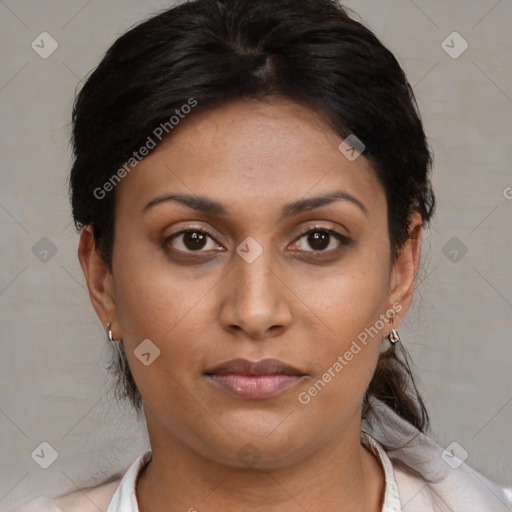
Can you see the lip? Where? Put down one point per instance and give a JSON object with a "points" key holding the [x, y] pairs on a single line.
{"points": [[267, 366], [254, 380], [255, 387]]}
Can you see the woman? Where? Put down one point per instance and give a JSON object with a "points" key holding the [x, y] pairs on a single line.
{"points": [[251, 180]]}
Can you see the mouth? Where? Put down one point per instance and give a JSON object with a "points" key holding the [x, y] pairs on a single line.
{"points": [[254, 380]]}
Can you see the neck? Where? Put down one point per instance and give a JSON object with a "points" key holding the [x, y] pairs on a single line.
{"points": [[341, 475]]}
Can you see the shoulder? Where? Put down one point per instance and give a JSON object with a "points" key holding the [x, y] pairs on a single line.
{"points": [[462, 491], [413, 491], [91, 499], [440, 486], [430, 478], [115, 494]]}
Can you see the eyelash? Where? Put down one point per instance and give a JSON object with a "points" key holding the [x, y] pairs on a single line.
{"points": [[345, 241]]}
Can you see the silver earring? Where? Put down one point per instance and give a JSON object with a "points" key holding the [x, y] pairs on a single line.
{"points": [[110, 336], [393, 336], [116, 343]]}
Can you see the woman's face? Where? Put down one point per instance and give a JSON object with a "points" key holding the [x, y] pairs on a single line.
{"points": [[247, 283]]}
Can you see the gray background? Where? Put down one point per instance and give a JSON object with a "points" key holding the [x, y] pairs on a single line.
{"points": [[53, 386]]}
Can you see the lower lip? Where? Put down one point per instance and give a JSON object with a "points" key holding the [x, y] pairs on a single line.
{"points": [[255, 387]]}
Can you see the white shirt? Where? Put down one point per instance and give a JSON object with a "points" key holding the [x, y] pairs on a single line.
{"points": [[458, 487]]}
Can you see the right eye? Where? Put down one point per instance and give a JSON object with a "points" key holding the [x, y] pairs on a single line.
{"points": [[190, 240]]}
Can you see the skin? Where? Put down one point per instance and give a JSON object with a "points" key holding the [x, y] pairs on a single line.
{"points": [[201, 310]]}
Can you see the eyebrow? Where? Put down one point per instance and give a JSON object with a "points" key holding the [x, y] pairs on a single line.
{"points": [[207, 205]]}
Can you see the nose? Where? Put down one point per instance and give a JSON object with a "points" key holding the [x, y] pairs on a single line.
{"points": [[255, 298]]}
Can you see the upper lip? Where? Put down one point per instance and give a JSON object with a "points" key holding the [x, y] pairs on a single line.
{"points": [[246, 367]]}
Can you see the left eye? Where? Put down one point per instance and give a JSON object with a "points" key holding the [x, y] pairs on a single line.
{"points": [[322, 239]]}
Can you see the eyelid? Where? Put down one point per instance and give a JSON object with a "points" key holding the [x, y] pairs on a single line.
{"points": [[332, 228]]}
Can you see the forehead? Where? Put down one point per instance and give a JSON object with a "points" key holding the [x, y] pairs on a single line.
{"points": [[263, 153]]}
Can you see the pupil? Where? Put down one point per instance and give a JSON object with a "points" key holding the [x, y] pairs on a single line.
{"points": [[318, 240], [197, 240]]}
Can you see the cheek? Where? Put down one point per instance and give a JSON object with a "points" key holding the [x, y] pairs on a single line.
{"points": [[350, 308], [151, 294], [168, 307], [352, 298]]}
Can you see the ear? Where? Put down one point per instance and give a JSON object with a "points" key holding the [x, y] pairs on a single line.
{"points": [[405, 269], [98, 278]]}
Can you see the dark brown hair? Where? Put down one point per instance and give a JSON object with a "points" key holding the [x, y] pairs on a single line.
{"points": [[215, 51]]}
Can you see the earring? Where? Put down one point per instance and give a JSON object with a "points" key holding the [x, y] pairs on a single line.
{"points": [[110, 336], [393, 337], [116, 343]]}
